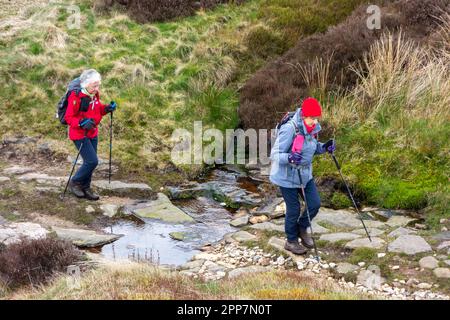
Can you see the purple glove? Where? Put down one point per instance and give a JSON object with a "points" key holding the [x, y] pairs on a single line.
{"points": [[330, 146], [294, 158]]}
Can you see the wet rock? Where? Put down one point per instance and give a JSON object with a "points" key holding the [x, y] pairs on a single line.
{"points": [[109, 210], [239, 222], [4, 179], [163, 209], [258, 219], [442, 273], [274, 209], [243, 236], [193, 190], [180, 236], [409, 244], [246, 270], [374, 232], [85, 238], [345, 267], [17, 170], [13, 232], [401, 232], [383, 215], [268, 226], [400, 221], [428, 262], [335, 237], [377, 243]]}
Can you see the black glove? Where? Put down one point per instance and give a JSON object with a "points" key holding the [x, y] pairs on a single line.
{"points": [[87, 123], [111, 107], [330, 146]]}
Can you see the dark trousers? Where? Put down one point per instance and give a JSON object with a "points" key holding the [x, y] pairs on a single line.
{"points": [[291, 197], [90, 161]]}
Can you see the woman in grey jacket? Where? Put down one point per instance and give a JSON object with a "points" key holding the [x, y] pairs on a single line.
{"points": [[292, 156]]}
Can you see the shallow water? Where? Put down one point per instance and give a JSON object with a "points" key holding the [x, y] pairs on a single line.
{"points": [[150, 241]]}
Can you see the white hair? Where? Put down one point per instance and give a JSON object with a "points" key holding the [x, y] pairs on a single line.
{"points": [[89, 76]]}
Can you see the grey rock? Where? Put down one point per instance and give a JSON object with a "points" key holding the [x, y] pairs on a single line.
{"points": [[240, 222], [345, 267], [383, 215], [443, 236], [42, 178], [374, 232], [318, 228], [246, 270], [163, 209], [442, 273], [4, 179], [243, 236], [401, 232], [109, 210], [193, 264], [377, 243], [90, 209], [447, 262], [428, 262], [409, 244], [370, 278], [274, 209], [340, 218], [335, 237], [400, 221], [85, 238], [16, 170], [268, 226], [120, 186], [13, 232]]}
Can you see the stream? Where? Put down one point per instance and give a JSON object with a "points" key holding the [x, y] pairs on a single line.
{"points": [[149, 240]]}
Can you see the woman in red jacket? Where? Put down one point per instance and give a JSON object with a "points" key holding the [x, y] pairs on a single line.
{"points": [[83, 115]]}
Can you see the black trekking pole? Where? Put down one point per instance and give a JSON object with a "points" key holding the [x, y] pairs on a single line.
{"points": [[73, 167], [351, 196], [110, 145], [307, 213]]}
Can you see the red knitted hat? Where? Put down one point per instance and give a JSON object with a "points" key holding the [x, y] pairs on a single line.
{"points": [[311, 108]]}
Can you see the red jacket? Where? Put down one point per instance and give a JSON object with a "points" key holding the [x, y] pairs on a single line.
{"points": [[95, 111]]}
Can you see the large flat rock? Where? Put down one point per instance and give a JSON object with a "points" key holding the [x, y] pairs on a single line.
{"points": [[399, 221], [409, 244], [85, 238], [120, 186], [17, 170], [163, 209], [335, 237], [13, 232], [338, 218], [268, 226], [376, 243]]}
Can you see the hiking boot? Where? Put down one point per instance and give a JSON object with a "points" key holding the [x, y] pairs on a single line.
{"points": [[295, 247], [306, 238], [76, 189], [91, 195]]}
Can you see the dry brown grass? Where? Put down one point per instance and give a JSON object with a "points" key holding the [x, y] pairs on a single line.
{"points": [[140, 281]]}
